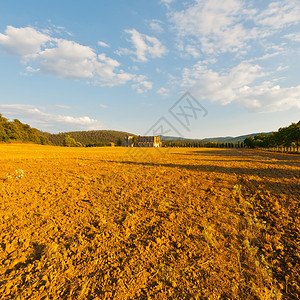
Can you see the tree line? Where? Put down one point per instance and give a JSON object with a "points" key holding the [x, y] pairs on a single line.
{"points": [[199, 144], [285, 139], [19, 132], [91, 138]]}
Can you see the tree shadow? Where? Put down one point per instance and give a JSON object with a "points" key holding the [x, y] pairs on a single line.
{"points": [[241, 155], [270, 172]]}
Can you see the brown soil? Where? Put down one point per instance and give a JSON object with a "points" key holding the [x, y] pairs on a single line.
{"points": [[118, 223]]}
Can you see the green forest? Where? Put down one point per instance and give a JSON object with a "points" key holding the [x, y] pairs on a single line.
{"points": [[19, 132], [286, 138], [91, 138]]}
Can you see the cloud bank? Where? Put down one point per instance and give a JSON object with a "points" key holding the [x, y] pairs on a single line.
{"points": [[66, 59], [216, 27], [244, 85]]}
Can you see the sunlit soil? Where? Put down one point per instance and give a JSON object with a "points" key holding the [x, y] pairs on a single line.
{"points": [[119, 223]]}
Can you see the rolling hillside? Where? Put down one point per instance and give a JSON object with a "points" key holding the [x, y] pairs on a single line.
{"points": [[88, 138], [227, 139]]}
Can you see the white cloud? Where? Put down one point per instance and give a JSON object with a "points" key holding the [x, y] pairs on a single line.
{"points": [[166, 2], [145, 46], [213, 23], [163, 92], [268, 97], [67, 59], [241, 85], [230, 25], [279, 14], [23, 41], [31, 70], [192, 50], [58, 29], [220, 87], [156, 25], [70, 60], [295, 37], [103, 106], [105, 71], [142, 85], [36, 115], [102, 44], [267, 56]]}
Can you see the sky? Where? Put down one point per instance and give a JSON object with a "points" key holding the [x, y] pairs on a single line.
{"points": [[196, 68]]}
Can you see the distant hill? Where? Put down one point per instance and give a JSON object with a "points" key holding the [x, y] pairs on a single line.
{"points": [[88, 138], [17, 131], [104, 137], [227, 139], [230, 139]]}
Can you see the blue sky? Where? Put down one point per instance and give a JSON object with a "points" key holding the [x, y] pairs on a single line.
{"points": [[122, 65]]}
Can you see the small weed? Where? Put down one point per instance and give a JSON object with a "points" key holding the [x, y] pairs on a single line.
{"points": [[237, 189], [18, 174]]}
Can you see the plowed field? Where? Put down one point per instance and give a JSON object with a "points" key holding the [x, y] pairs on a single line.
{"points": [[119, 223]]}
